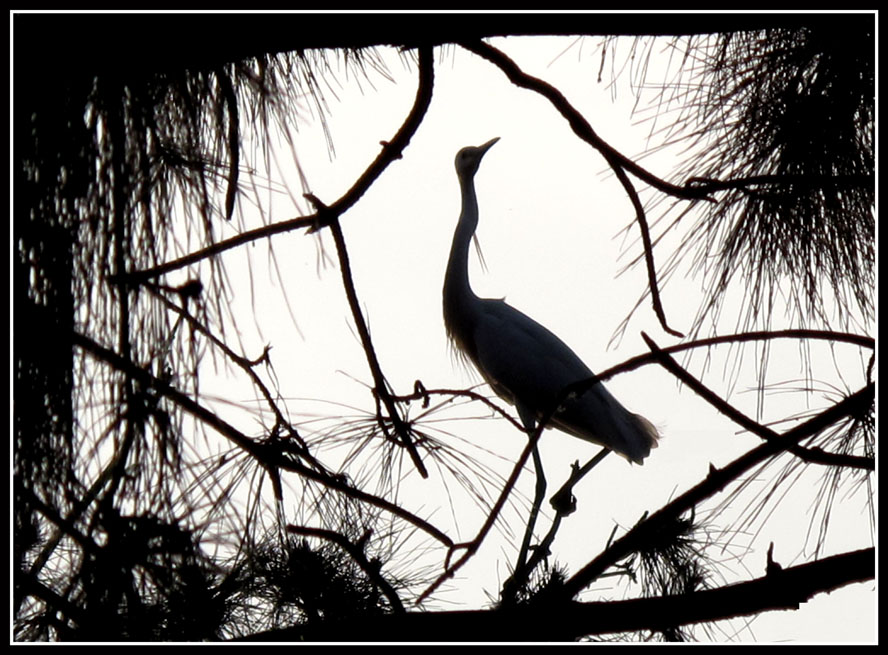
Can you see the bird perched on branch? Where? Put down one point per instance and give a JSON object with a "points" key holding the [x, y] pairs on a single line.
{"points": [[524, 363]]}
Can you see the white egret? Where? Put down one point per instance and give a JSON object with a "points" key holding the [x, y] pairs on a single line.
{"points": [[524, 363]]}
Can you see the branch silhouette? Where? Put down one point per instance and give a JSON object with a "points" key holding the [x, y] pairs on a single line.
{"points": [[779, 589], [269, 455], [808, 454], [381, 386], [617, 161], [247, 365], [391, 151]]}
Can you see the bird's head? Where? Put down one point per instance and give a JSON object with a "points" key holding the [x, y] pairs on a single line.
{"points": [[468, 159]]}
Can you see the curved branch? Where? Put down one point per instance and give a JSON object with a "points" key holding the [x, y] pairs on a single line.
{"points": [[641, 218], [649, 358], [391, 150], [577, 122], [809, 455], [617, 161]]}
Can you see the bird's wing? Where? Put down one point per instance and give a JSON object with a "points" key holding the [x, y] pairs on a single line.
{"points": [[529, 366], [521, 359]]}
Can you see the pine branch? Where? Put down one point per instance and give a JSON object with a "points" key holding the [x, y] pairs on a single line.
{"points": [[391, 150], [267, 455], [779, 589]]}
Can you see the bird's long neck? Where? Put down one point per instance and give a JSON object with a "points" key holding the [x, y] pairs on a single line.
{"points": [[456, 282], [459, 299]]}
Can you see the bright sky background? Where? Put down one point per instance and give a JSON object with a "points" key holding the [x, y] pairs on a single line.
{"points": [[551, 217]]}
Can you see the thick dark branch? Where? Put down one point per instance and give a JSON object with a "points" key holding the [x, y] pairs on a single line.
{"points": [[780, 589], [63, 609], [66, 526], [102, 44]]}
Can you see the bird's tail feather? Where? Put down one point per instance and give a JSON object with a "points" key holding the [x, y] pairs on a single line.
{"points": [[629, 435], [648, 430], [635, 437]]}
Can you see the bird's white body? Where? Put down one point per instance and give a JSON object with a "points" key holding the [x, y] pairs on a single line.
{"points": [[524, 363]]}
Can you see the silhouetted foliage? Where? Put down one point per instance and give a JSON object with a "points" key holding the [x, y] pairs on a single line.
{"points": [[131, 524]]}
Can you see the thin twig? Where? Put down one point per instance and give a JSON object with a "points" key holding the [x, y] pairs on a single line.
{"points": [[564, 504], [247, 366], [380, 385], [230, 98], [648, 248], [423, 394], [562, 501]]}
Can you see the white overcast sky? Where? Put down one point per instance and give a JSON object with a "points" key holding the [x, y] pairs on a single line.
{"points": [[550, 227]]}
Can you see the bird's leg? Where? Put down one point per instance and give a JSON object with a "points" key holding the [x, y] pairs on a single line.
{"points": [[534, 511], [564, 503]]}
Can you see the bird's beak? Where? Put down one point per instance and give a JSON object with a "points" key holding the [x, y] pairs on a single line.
{"points": [[485, 147]]}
